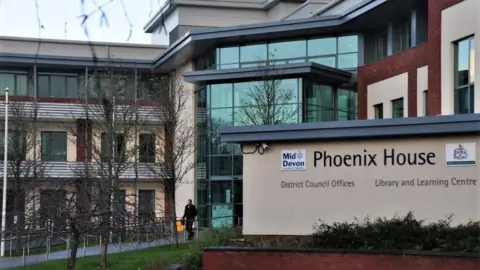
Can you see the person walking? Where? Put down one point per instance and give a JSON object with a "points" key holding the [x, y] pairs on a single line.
{"points": [[189, 216]]}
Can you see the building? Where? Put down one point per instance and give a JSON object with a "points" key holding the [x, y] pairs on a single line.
{"points": [[336, 60], [315, 172]]}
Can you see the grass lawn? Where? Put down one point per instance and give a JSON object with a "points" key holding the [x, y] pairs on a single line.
{"points": [[132, 260]]}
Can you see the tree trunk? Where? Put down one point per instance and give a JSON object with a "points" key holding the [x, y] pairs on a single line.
{"points": [[72, 259], [18, 205], [173, 217], [105, 230], [104, 251]]}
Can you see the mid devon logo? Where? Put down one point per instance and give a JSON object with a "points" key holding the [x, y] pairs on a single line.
{"points": [[294, 160], [460, 154]]}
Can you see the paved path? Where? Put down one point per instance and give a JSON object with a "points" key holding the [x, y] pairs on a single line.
{"points": [[12, 262]]}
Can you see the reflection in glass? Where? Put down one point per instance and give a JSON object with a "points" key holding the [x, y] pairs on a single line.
{"points": [[253, 53], [463, 62], [229, 57], [221, 165], [465, 100], [397, 108], [220, 117], [347, 44], [221, 95], [472, 60], [319, 103], [322, 46], [288, 49], [218, 147], [242, 92], [346, 105], [348, 60], [237, 165], [326, 61]]}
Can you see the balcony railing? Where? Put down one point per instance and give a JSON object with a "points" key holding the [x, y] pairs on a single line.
{"points": [[69, 170]]}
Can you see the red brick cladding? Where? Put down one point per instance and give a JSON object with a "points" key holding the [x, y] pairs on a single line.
{"points": [[252, 260], [406, 61], [409, 61]]}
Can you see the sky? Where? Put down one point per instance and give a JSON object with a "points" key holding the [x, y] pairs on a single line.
{"points": [[19, 18]]}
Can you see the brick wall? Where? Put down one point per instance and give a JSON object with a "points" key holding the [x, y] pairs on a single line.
{"points": [[252, 259], [409, 61]]}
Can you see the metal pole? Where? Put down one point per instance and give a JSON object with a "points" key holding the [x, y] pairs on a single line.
{"points": [[4, 198]]}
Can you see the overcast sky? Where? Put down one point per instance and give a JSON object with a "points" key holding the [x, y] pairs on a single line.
{"points": [[19, 18]]}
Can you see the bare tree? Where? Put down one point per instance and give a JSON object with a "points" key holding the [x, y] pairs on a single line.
{"points": [[108, 135], [24, 165], [174, 159], [267, 101]]}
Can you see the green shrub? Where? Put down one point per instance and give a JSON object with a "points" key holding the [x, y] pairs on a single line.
{"points": [[398, 233], [211, 238]]}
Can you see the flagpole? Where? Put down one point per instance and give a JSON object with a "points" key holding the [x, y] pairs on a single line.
{"points": [[4, 198]]}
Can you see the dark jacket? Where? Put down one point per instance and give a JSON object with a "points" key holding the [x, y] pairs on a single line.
{"points": [[190, 212]]}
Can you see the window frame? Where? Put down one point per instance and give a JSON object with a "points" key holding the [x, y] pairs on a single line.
{"points": [[145, 152], [65, 77], [470, 86], [48, 157], [13, 90], [395, 108], [378, 111]]}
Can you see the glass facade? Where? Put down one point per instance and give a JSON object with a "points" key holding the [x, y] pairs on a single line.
{"points": [[220, 165], [219, 192], [339, 52]]}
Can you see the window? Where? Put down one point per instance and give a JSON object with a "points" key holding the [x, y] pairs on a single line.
{"points": [[347, 52], [346, 105], [221, 95], [288, 52], [146, 203], [381, 44], [120, 87], [228, 57], [17, 145], [57, 85], [464, 95], [397, 108], [378, 110], [147, 148], [402, 36], [16, 83], [53, 208], [54, 146], [118, 147], [252, 55], [319, 103]]}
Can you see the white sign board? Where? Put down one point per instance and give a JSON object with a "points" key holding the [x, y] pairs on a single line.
{"points": [[461, 154], [294, 160]]}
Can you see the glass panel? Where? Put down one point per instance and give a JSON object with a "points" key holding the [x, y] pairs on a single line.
{"points": [[397, 108], [43, 86], [240, 93], [54, 146], [472, 60], [348, 60], [221, 95], [219, 148], [343, 104], [7, 80], [378, 110], [147, 148], [229, 57], [237, 165], [221, 165], [347, 44], [220, 117], [21, 85], [57, 86], [253, 53], [464, 100], [72, 86], [319, 104], [323, 46], [463, 53], [286, 114], [326, 61], [287, 50], [222, 192], [287, 91]]}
